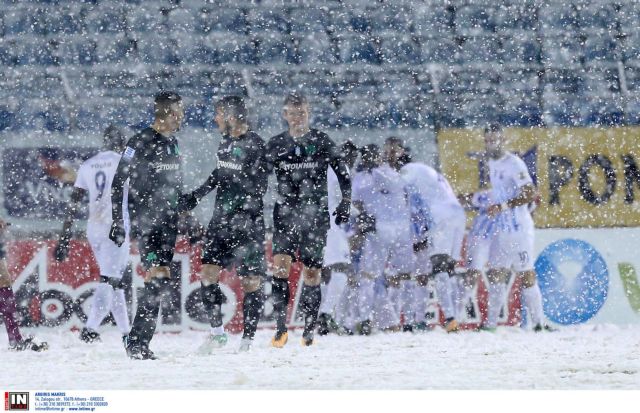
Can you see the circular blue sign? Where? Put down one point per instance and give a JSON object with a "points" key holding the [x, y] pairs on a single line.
{"points": [[567, 300]]}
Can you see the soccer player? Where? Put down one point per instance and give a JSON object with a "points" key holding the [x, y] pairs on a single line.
{"points": [[437, 209], [300, 157], [387, 256], [8, 307], [235, 236], [94, 178], [152, 164], [512, 247], [337, 254]]}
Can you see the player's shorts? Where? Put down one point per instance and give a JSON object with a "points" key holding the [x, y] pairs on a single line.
{"points": [[301, 234], [445, 238], [513, 250], [337, 249], [389, 248], [477, 252], [156, 239], [112, 260], [228, 247]]}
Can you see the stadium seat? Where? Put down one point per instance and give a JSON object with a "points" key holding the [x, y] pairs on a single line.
{"points": [[115, 49], [443, 50], [561, 50], [276, 50], [432, 20], [597, 16], [64, 20], [630, 47], [107, 18], [600, 47], [358, 48], [474, 20], [221, 20], [270, 20], [16, 21], [398, 49], [391, 17], [629, 17], [313, 82], [308, 19], [270, 82], [520, 48], [557, 16], [141, 20], [181, 20], [515, 17], [315, 48], [479, 49]]}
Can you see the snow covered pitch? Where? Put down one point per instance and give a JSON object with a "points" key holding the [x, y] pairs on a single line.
{"points": [[582, 357]]}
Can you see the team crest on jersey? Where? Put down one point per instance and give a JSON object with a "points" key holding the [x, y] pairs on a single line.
{"points": [[310, 150], [128, 153], [237, 152]]}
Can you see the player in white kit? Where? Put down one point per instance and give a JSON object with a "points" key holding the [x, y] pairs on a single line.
{"points": [[379, 195], [512, 190], [94, 179], [337, 253], [437, 209]]}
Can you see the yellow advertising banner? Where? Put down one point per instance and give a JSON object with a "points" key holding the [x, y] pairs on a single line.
{"points": [[587, 177]]}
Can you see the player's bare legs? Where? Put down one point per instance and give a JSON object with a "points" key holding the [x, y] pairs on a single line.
{"points": [[497, 287], [532, 298]]}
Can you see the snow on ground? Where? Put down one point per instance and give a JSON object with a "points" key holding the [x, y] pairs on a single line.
{"points": [[583, 357]]}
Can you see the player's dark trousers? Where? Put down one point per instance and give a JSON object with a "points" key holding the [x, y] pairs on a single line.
{"points": [[212, 300], [310, 302], [252, 307], [146, 319], [280, 294]]}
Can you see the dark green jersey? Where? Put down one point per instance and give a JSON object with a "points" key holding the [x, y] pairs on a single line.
{"points": [[152, 164]]}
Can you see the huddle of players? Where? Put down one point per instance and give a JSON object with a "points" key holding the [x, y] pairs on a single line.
{"points": [[408, 221], [408, 231]]}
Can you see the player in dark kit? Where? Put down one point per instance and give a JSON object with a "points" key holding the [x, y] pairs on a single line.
{"points": [[8, 309], [151, 163], [300, 157], [235, 236]]}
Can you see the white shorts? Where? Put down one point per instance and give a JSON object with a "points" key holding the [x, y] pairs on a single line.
{"points": [[477, 252], [389, 248], [337, 250], [112, 260], [445, 237], [512, 250]]}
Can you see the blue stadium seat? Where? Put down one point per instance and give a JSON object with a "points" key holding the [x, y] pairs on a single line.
{"points": [[474, 19], [557, 16], [115, 49], [315, 48], [227, 82], [400, 50], [181, 20], [152, 49], [442, 50], [568, 81], [147, 19], [221, 20], [276, 50], [432, 20], [360, 112], [66, 20], [561, 50], [603, 111], [630, 47], [515, 16], [17, 21], [308, 19], [600, 47], [106, 18], [597, 16], [390, 17], [314, 82], [629, 17], [520, 47], [358, 48], [270, 82], [270, 20], [562, 109], [480, 49]]}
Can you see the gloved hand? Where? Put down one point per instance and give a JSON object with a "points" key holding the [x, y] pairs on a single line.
{"points": [[419, 246], [342, 212], [61, 250], [187, 202], [366, 223], [117, 233]]}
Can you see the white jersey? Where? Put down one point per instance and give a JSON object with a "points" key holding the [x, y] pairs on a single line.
{"points": [[482, 225], [508, 175], [383, 194], [431, 198], [334, 196], [96, 176]]}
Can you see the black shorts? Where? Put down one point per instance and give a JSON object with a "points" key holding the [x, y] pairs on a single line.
{"points": [[304, 234], [156, 239], [230, 247]]}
